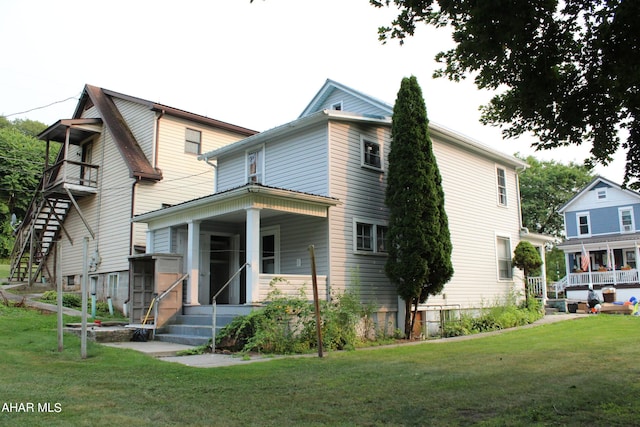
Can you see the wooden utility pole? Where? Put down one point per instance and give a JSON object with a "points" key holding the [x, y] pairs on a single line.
{"points": [[316, 302]]}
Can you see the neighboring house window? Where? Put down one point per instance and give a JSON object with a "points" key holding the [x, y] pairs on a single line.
{"points": [[626, 220], [337, 106], [584, 228], [255, 166], [371, 154], [505, 271], [502, 186], [601, 194], [193, 140], [370, 237], [270, 250]]}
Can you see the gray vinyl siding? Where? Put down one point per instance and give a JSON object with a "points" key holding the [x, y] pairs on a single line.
{"points": [[294, 162], [297, 233], [362, 192], [352, 104], [162, 240]]}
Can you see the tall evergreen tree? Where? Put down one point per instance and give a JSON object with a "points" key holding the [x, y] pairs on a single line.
{"points": [[419, 242]]}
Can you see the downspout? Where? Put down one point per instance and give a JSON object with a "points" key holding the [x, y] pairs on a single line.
{"points": [[157, 138], [215, 174], [133, 200]]}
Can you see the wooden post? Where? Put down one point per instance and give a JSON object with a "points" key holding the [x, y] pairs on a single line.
{"points": [[83, 286], [56, 269], [314, 280]]}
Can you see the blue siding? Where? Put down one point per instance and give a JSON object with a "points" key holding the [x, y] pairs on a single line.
{"points": [[602, 220]]}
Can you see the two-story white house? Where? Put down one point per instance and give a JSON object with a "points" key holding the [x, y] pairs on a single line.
{"points": [[119, 156], [320, 180], [601, 246]]}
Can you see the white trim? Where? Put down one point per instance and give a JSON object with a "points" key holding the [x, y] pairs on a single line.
{"points": [[587, 215], [337, 104], [633, 222]]}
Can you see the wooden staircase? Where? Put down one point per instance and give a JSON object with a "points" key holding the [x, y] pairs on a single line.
{"points": [[36, 237]]}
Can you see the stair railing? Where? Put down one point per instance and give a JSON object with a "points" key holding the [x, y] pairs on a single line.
{"points": [[159, 299], [214, 306]]}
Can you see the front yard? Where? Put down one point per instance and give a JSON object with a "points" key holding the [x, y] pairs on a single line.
{"points": [[569, 373]]}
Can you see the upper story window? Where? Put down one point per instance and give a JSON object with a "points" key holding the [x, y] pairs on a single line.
{"points": [[337, 106], [255, 166], [626, 220], [370, 237], [584, 224], [601, 194], [502, 186], [503, 248], [371, 154], [192, 141]]}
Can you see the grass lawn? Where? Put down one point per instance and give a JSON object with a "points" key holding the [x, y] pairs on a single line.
{"points": [[4, 270], [580, 372]]}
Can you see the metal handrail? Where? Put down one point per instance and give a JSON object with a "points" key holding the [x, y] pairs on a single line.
{"points": [[214, 306], [159, 298]]}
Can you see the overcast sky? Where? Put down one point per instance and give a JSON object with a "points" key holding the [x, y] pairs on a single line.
{"points": [[255, 65]]}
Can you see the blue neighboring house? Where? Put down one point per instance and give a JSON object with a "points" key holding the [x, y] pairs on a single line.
{"points": [[602, 239]]}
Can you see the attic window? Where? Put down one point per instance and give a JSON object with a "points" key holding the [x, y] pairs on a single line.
{"points": [[601, 193], [337, 106]]}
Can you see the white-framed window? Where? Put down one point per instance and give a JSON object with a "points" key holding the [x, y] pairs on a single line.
{"points": [[255, 166], [270, 250], [192, 141], [337, 106], [627, 224], [371, 153], [583, 223], [112, 284], [503, 255], [501, 177], [601, 194], [369, 237]]}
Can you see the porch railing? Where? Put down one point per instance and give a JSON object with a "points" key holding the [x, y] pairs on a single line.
{"points": [[603, 277], [71, 172], [536, 286]]}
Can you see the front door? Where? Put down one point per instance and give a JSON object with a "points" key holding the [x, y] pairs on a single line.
{"points": [[219, 271]]}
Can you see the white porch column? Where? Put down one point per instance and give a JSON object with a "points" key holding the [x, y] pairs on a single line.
{"points": [[193, 261], [150, 239], [253, 255]]}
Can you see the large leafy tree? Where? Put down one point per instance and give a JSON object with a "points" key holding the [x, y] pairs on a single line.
{"points": [[544, 187], [21, 165], [567, 71], [419, 242]]}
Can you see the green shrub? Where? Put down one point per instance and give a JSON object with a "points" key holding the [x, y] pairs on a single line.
{"points": [[288, 325], [68, 300]]}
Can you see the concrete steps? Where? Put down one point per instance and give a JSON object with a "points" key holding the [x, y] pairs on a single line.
{"points": [[195, 325]]}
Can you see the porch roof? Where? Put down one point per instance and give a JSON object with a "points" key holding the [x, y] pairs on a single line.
{"points": [[615, 241], [237, 200]]}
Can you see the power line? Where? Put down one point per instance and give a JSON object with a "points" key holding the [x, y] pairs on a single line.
{"points": [[40, 108]]}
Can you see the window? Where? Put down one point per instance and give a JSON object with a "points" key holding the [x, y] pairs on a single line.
{"points": [[370, 237], [505, 271], [337, 106], [371, 154], [270, 250], [630, 258], [192, 141], [601, 194], [255, 166], [502, 187], [626, 220], [112, 284], [583, 224]]}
